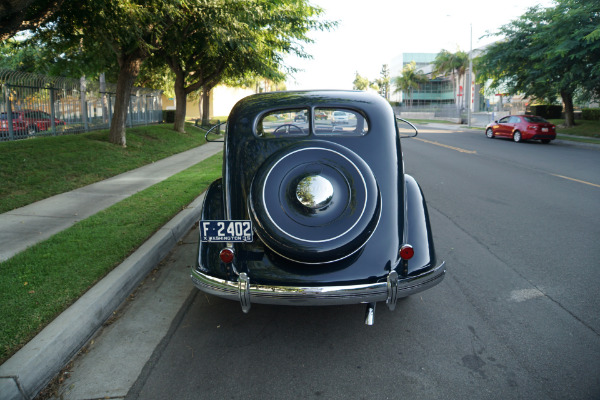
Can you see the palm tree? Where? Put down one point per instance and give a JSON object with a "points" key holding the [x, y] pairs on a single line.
{"points": [[410, 80], [455, 64]]}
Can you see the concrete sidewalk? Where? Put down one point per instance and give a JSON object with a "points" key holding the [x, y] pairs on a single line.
{"points": [[31, 368]]}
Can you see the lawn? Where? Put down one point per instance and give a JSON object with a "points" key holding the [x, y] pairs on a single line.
{"points": [[581, 128]]}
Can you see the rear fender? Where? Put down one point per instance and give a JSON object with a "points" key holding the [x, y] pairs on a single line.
{"points": [[208, 253], [418, 228], [212, 208]]}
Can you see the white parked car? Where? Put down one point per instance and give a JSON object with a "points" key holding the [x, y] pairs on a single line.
{"points": [[340, 118]]}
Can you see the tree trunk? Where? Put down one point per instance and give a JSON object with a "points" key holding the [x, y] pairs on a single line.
{"points": [[129, 69], [201, 106], [104, 100], [567, 98], [180, 102], [456, 90], [206, 105]]}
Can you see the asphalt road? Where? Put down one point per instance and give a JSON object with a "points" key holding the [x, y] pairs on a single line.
{"points": [[517, 316]]}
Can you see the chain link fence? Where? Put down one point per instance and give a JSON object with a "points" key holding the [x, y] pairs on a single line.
{"points": [[36, 105]]}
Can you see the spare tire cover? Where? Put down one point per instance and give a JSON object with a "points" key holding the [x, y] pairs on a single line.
{"points": [[316, 202]]}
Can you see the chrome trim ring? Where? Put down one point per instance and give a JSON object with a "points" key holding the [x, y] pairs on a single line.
{"points": [[358, 219]]}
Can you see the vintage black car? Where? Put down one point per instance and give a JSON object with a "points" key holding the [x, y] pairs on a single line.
{"points": [[314, 213]]}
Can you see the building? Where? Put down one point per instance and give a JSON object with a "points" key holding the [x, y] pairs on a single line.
{"points": [[222, 100], [437, 91], [440, 90]]}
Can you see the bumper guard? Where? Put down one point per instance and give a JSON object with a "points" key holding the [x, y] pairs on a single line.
{"points": [[247, 293]]}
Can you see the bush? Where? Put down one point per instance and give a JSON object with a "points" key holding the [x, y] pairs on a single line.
{"points": [[591, 114], [548, 111]]}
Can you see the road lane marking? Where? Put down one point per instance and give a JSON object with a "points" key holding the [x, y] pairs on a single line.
{"points": [[446, 146], [437, 131], [576, 180], [525, 294]]}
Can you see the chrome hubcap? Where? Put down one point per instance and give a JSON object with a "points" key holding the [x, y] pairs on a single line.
{"points": [[314, 192]]}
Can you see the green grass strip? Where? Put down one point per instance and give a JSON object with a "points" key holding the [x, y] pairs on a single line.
{"points": [[578, 139], [41, 282], [581, 128]]}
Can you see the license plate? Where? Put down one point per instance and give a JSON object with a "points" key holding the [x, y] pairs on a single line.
{"points": [[226, 231], [544, 129]]}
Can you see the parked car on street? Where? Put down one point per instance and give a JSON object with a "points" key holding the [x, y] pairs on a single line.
{"points": [[19, 126], [37, 120], [300, 117], [340, 118], [522, 127], [314, 214], [321, 115]]}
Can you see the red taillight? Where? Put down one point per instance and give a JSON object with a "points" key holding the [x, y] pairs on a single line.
{"points": [[226, 255], [406, 252]]}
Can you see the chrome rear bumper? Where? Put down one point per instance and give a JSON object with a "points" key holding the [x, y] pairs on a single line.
{"points": [[246, 292]]}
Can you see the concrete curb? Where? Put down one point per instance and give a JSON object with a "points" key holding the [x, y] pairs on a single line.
{"points": [[28, 371]]}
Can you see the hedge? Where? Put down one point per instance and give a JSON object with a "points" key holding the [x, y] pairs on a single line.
{"points": [[548, 111], [590, 114]]}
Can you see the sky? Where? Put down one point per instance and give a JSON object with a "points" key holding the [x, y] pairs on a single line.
{"points": [[373, 32]]}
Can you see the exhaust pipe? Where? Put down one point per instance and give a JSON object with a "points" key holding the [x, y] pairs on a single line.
{"points": [[370, 314]]}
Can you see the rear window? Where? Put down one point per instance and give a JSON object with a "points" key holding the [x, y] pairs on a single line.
{"points": [[334, 121], [37, 115], [284, 123], [325, 121]]}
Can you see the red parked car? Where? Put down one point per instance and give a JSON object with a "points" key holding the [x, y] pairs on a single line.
{"points": [[19, 126], [37, 120], [522, 127]]}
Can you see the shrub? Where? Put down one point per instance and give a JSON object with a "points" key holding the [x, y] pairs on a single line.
{"points": [[591, 114]]}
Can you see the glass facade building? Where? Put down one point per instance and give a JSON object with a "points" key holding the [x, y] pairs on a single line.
{"points": [[437, 91]]}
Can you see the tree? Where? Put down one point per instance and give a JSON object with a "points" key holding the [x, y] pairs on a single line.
{"points": [[360, 82], [233, 39], [131, 30], [384, 81], [20, 15], [455, 64], [47, 54], [382, 84], [410, 80], [23, 59], [548, 52]]}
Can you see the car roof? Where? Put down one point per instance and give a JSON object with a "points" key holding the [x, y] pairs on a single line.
{"points": [[329, 98], [248, 109]]}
